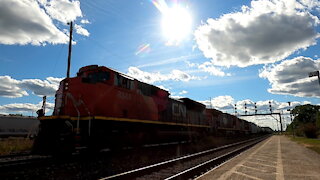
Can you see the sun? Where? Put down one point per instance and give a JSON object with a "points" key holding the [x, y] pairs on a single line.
{"points": [[176, 24]]}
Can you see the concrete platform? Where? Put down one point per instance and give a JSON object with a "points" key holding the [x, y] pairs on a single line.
{"points": [[275, 158]]}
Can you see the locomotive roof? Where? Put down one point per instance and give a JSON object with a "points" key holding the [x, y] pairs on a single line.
{"points": [[92, 67], [191, 104]]}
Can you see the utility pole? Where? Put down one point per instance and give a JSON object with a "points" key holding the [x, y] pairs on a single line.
{"points": [[44, 100], [69, 52]]}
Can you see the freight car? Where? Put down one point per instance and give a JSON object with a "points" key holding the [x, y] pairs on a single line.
{"points": [[18, 126], [102, 108]]}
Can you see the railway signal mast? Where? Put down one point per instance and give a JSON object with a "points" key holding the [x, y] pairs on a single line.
{"points": [[245, 107], [255, 108], [315, 73], [263, 114]]}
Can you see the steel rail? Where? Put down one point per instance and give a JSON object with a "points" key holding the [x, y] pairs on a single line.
{"points": [[212, 162], [22, 160], [145, 170]]}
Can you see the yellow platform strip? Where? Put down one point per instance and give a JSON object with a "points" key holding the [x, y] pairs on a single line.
{"points": [[123, 120]]}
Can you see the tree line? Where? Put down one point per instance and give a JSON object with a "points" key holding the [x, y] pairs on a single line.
{"points": [[306, 121]]}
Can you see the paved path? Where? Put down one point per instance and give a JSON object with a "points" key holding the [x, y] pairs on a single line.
{"points": [[276, 158]]}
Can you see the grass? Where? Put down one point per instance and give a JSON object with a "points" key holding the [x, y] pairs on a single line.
{"points": [[313, 144], [15, 145]]}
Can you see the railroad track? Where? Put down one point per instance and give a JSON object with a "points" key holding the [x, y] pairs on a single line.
{"points": [[189, 166], [25, 153], [12, 161]]}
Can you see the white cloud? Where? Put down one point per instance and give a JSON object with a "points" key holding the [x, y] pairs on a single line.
{"points": [[223, 103], [80, 30], [266, 32], [9, 88], [183, 92], [55, 81], [176, 97], [63, 10], [24, 107], [290, 77], [178, 75], [147, 77], [212, 70], [311, 4], [31, 21], [39, 87], [20, 107], [85, 21], [164, 88], [209, 68], [13, 88]]}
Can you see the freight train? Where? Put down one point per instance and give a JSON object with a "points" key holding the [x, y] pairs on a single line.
{"points": [[102, 108]]}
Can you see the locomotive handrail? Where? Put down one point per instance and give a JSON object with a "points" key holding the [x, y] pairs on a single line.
{"points": [[124, 120]]}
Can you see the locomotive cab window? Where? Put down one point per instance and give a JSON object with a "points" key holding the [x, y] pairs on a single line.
{"points": [[147, 89], [123, 82], [97, 77]]}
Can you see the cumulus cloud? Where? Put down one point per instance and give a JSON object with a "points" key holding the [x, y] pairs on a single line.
{"points": [[80, 30], [62, 10], [212, 70], [39, 87], [147, 77], [265, 32], [85, 21], [31, 21], [9, 88], [20, 107], [23, 107], [228, 103], [223, 103], [209, 68], [290, 77], [13, 88], [183, 92]]}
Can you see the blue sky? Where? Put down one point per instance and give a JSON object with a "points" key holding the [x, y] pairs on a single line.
{"points": [[232, 52]]}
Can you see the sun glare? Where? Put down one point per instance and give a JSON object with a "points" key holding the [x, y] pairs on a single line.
{"points": [[176, 24]]}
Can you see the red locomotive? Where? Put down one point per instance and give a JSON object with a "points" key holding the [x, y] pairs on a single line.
{"points": [[102, 108]]}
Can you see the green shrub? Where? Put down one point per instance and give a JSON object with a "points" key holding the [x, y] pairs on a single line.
{"points": [[310, 130]]}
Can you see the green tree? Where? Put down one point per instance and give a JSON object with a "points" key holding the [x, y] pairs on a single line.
{"points": [[307, 120]]}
